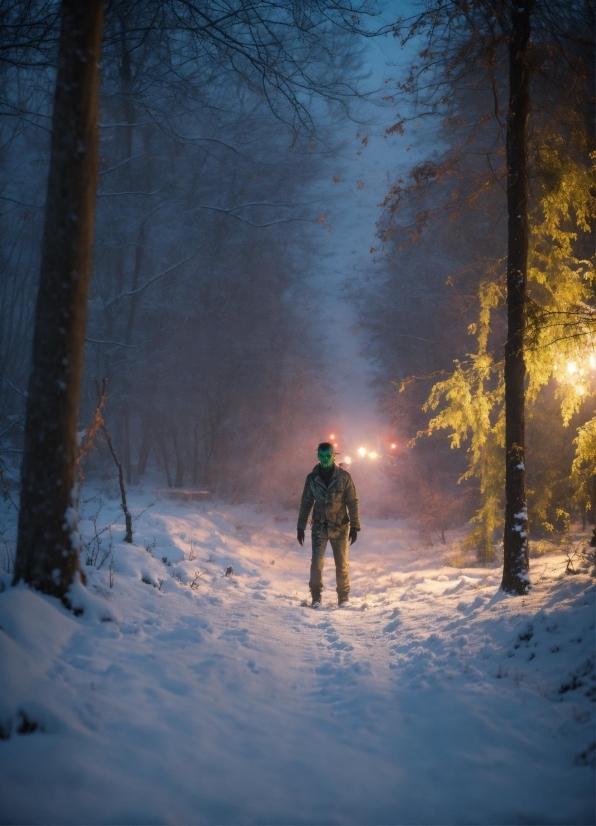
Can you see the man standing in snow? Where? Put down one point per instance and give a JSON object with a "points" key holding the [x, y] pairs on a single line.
{"points": [[335, 518]]}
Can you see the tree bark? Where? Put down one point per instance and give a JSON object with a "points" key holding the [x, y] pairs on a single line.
{"points": [[126, 442], [48, 542], [179, 463], [144, 449], [195, 456], [515, 543], [164, 455]]}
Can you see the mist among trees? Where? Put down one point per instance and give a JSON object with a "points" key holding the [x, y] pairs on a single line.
{"points": [[437, 316], [239, 238], [215, 126]]}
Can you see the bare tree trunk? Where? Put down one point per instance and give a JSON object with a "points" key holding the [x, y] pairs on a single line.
{"points": [[195, 456], [48, 543], [140, 247], [179, 463], [127, 514], [516, 565], [126, 442], [145, 447], [164, 455]]}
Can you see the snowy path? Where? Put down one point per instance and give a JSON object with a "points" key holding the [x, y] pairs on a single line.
{"points": [[431, 700]]}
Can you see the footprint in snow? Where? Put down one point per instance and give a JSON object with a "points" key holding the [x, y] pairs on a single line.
{"points": [[467, 608], [341, 646], [391, 626], [335, 644], [236, 635]]}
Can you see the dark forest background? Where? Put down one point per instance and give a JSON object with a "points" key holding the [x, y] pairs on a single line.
{"points": [[199, 314], [202, 315]]}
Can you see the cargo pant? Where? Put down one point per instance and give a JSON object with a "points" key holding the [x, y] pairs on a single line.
{"points": [[339, 546]]}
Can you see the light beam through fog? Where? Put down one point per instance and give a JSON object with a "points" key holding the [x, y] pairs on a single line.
{"points": [[356, 182]]}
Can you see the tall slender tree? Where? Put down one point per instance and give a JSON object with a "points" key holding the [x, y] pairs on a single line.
{"points": [[485, 46], [48, 544], [516, 562]]}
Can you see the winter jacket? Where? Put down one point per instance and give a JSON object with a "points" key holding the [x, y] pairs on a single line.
{"points": [[335, 505]]}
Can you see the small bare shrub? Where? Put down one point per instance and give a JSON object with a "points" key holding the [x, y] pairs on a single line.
{"points": [[7, 557], [109, 552], [197, 579], [580, 558], [192, 553]]}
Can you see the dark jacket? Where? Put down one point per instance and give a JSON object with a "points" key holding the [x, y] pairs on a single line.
{"points": [[335, 506]]}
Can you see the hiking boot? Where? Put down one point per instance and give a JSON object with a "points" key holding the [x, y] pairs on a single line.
{"points": [[316, 599], [343, 602]]}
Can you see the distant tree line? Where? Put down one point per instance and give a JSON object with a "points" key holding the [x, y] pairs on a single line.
{"points": [[197, 315], [196, 307]]}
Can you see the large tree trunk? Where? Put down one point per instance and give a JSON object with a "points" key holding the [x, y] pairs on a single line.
{"points": [[48, 544], [516, 561]]}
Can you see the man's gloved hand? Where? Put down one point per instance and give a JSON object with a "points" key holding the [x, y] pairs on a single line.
{"points": [[300, 534], [353, 535]]}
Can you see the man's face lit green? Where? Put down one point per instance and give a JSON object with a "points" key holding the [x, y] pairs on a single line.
{"points": [[325, 458]]}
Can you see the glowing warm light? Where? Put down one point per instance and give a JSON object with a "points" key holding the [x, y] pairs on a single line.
{"points": [[332, 436], [347, 460], [578, 372], [362, 451], [372, 455], [335, 445], [393, 447]]}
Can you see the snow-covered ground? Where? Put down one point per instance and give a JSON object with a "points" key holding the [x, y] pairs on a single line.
{"points": [[182, 695]]}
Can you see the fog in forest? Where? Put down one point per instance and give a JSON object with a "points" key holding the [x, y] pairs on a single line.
{"points": [[255, 290], [231, 230], [226, 238]]}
